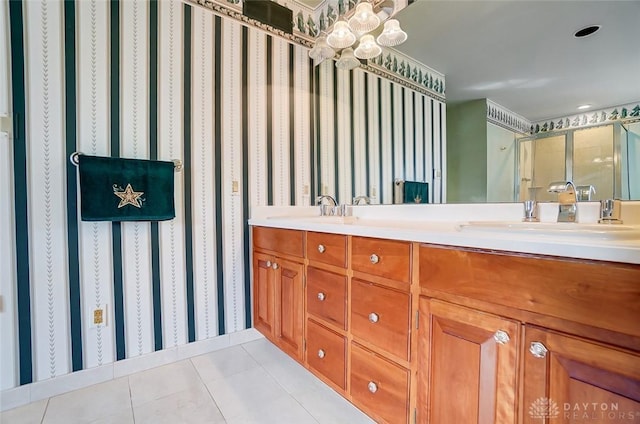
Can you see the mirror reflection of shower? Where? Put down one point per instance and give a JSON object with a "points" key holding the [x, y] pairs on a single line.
{"points": [[630, 160], [606, 157]]}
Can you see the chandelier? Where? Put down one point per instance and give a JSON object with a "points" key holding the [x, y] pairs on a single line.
{"points": [[345, 33]]}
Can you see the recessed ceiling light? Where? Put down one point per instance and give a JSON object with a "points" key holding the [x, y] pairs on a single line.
{"points": [[586, 31], [583, 107]]}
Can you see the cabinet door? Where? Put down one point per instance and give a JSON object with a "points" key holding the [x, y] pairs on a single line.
{"points": [[570, 380], [264, 294], [466, 365], [289, 306]]}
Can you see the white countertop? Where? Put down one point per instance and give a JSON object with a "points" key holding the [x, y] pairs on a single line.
{"points": [[470, 226]]}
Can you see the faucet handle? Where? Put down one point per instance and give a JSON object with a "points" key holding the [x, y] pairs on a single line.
{"points": [[610, 212], [357, 199], [530, 211]]}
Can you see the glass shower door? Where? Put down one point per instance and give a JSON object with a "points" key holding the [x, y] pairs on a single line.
{"points": [[549, 159], [593, 160]]}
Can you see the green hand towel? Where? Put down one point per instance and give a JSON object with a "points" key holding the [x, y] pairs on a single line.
{"points": [[114, 189], [416, 192]]}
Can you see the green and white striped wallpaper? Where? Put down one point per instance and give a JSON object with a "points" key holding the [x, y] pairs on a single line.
{"points": [[167, 80]]}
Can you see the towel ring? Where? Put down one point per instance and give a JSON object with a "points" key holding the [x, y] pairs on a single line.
{"points": [[74, 158]]}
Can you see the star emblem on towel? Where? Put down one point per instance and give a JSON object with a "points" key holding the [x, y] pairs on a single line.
{"points": [[129, 197]]}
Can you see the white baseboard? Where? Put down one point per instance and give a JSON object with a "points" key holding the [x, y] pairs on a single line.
{"points": [[13, 398]]}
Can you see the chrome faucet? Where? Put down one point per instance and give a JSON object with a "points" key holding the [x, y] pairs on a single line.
{"points": [[326, 210], [356, 200], [584, 193], [567, 198]]}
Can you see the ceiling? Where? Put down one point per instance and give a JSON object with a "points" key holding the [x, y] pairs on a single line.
{"points": [[523, 56]]}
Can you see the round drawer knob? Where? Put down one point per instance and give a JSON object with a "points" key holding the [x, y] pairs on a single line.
{"points": [[321, 296], [373, 317], [538, 350], [501, 337], [373, 387], [321, 248], [275, 266], [268, 264], [374, 259], [321, 353]]}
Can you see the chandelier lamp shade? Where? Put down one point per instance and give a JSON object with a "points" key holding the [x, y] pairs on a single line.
{"points": [[392, 35], [364, 20], [367, 49], [341, 37], [347, 60], [357, 29], [321, 51]]}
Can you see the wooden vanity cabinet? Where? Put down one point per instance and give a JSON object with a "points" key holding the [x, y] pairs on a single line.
{"points": [[579, 356], [502, 338], [467, 365], [278, 287]]}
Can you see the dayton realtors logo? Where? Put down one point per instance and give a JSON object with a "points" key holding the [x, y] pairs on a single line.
{"points": [[544, 408], [581, 411]]}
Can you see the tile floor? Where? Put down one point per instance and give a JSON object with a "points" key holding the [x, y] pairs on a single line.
{"points": [[250, 383]]}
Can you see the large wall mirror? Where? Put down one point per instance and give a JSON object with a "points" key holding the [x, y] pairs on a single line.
{"points": [[376, 137], [605, 157]]}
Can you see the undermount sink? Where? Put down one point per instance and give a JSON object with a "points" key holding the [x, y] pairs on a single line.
{"points": [[558, 229]]}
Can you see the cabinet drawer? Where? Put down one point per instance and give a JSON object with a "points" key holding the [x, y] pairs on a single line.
{"points": [[326, 353], [286, 242], [379, 386], [326, 296], [381, 316], [386, 258], [327, 248], [599, 294]]}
